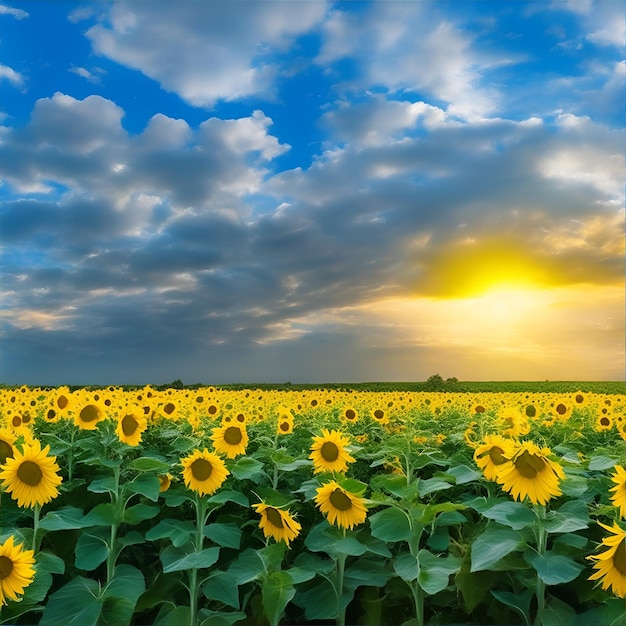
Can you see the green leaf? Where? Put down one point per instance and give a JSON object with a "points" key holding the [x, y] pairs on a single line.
{"points": [[51, 563], [92, 548], [574, 486], [513, 514], [146, 485], [553, 569], [225, 535], [175, 560], [352, 485], [179, 532], [246, 468], [272, 497], [150, 464], [228, 495], [106, 484], [464, 474], [76, 604], [325, 538], [572, 515], [391, 524], [493, 544], [319, 602], [121, 594], [395, 485], [219, 618], [140, 512], [366, 571], [294, 465], [430, 485], [223, 587], [276, 592], [300, 575], [435, 571], [68, 518], [557, 613], [406, 566], [247, 567], [518, 601], [175, 617], [602, 462], [104, 514], [175, 496]]}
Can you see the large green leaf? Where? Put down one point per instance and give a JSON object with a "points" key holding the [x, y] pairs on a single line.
{"points": [[225, 535], [572, 515], [76, 604], [329, 539], [104, 514], [391, 524], [67, 518], [366, 571], [430, 485], [552, 568], [140, 512], [223, 587], [247, 468], [276, 592], [600, 462], [229, 495], [121, 594], [513, 514], [105, 484], [150, 464], [247, 567], [492, 545], [179, 532], [207, 617], [518, 601], [406, 566], [435, 571], [92, 548], [176, 560], [146, 485]]}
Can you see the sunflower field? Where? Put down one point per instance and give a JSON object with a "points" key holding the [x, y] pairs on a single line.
{"points": [[254, 506]]}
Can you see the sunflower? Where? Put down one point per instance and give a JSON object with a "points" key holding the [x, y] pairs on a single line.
{"points": [[7, 445], [530, 473], [204, 472], [16, 570], [89, 415], [604, 421], [285, 424], [512, 422], [328, 452], [349, 414], [230, 439], [130, 424], [165, 480], [31, 476], [611, 564], [379, 415], [277, 523], [619, 491], [492, 454], [341, 507]]}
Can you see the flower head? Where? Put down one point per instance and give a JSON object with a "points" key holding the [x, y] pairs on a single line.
{"points": [[16, 570], [204, 472], [610, 565], [341, 507], [131, 423], [328, 452], [619, 491], [230, 439], [31, 476], [531, 474], [492, 454], [277, 523]]}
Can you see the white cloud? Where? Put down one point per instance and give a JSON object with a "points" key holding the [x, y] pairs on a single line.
{"points": [[18, 14], [10, 74], [205, 52]]}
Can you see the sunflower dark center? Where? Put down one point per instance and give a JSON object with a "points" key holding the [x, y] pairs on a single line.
{"points": [[30, 473], [529, 465], [379, 414], [340, 500], [212, 409], [89, 413], [350, 414], [561, 409], [51, 414], [604, 420], [496, 455], [579, 399], [201, 469], [284, 426], [329, 452], [129, 425], [16, 421], [6, 567], [6, 451], [619, 558], [169, 408], [531, 411], [233, 436], [274, 517], [479, 409]]}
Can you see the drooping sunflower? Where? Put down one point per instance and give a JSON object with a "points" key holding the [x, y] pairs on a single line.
{"points": [[16, 570], [230, 439], [165, 481], [341, 507], [7, 445], [492, 454], [619, 491], [611, 564], [31, 476], [328, 452], [204, 472], [131, 423], [531, 474], [277, 523]]}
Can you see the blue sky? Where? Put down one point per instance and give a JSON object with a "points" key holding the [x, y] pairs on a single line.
{"points": [[311, 191]]}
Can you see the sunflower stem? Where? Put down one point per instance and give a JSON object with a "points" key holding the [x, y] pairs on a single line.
{"points": [[541, 538], [36, 512], [115, 501], [341, 566], [201, 517]]}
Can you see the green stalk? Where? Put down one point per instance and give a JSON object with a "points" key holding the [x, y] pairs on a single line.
{"points": [[193, 574], [541, 537], [341, 566], [418, 601], [36, 512], [115, 501]]}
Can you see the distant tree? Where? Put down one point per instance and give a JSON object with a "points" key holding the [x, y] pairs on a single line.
{"points": [[435, 382], [177, 384], [452, 380]]}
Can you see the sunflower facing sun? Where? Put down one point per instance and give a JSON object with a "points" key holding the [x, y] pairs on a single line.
{"points": [[230, 439], [31, 476], [328, 452], [204, 472], [341, 507]]}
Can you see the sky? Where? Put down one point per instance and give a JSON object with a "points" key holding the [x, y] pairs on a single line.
{"points": [[309, 191]]}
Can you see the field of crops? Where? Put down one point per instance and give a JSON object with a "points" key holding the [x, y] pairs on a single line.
{"points": [[312, 506]]}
